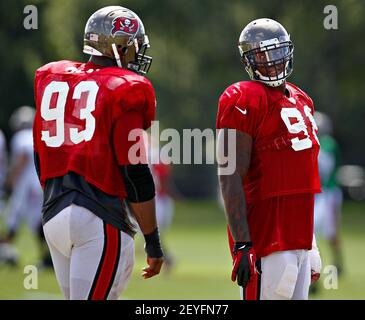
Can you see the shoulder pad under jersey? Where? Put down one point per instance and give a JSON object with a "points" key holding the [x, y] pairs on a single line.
{"points": [[245, 94], [300, 93]]}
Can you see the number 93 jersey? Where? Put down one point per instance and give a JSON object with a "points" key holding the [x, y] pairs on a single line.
{"points": [[82, 112], [284, 135]]}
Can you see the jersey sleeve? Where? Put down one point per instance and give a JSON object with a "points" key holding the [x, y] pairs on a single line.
{"points": [[304, 95], [237, 109], [39, 88], [309, 101], [126, 146], [135, 111], [140, 97]]}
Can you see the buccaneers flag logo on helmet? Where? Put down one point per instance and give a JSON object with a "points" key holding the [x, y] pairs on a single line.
{"points": [[125, 25]]}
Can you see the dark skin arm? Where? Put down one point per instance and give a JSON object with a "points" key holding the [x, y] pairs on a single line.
{"points": [[231, 186], [145, 215], [146, 218]]}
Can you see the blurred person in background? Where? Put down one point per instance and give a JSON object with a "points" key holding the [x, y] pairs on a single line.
{"points": [[25, 202], [269, 198], [3, 168], [328, 204]]}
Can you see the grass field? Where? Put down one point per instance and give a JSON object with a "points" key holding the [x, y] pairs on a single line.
{"points": [[202, 271]]}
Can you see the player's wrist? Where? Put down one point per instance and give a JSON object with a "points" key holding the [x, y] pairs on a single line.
{"points": [[240, 245], [153, 245]]}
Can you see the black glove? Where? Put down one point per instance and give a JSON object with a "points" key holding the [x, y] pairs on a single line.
{"points": [[244, 261]]}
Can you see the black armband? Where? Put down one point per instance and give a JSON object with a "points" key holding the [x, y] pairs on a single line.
{"points": [[138, 182], [153, 245]]}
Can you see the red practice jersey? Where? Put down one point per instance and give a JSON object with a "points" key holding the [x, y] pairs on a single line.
{"points": [[283, 173], [82, 112]]}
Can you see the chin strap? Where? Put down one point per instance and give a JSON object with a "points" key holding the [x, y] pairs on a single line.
{"points": [[116, 55], [271, 83]]}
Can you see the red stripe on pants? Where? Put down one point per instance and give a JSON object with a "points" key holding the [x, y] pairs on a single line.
{"points": [[107, 266]]}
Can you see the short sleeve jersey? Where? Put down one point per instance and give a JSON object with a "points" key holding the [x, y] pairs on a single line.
{"points": [[284, 133]]}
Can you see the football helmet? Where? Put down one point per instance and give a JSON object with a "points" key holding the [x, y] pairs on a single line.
{"points": [[118, 33], [22, 118], [266, 51]]}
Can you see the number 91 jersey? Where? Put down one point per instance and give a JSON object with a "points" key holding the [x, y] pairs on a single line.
{"points": [[82, 110], [284, 135]]}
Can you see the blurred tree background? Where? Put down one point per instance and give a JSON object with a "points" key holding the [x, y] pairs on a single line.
{"points": [[194, 47]]}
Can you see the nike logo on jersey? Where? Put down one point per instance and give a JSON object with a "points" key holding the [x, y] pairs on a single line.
{"points": [[244, 112]]}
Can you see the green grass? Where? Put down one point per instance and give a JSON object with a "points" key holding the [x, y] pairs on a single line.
{"points": [[202, 270]]}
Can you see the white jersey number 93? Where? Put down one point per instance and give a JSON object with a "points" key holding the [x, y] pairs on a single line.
{"points": [[57, 112]]}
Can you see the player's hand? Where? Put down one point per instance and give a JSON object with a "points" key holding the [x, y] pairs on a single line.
{"points": [[315, 264], [244, 261], [154, 267], [154, 254]]}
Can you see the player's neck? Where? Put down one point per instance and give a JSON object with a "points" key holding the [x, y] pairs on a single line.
{"points": [[282, 89], [103, 61]]}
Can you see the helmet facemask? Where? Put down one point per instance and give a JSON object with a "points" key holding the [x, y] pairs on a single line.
{"points": [[266, 51], [141, 62], [270, 62]]}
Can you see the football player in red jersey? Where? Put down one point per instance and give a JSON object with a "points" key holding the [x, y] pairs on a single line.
{"points": [[85, 112], [269, 198]]}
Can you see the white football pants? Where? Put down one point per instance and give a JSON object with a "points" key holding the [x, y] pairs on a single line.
{"points": [[92, 259], [285, 275]]}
